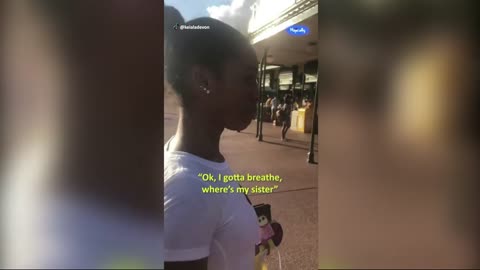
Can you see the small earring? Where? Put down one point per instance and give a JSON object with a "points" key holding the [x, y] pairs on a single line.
{"points": [[205, 89]]}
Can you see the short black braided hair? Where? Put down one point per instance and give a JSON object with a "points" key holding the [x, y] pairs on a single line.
{"points": [[210, 48]]}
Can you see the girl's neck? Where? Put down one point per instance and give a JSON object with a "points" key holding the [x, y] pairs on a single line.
{"points": [[198, 137]]}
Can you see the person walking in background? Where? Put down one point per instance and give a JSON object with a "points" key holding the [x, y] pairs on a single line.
{"points": [[274, 107], [296, 104], [268, 103], [278, 109]]}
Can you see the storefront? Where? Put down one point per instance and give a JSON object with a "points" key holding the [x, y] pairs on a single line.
{"points": [[270, 32]]}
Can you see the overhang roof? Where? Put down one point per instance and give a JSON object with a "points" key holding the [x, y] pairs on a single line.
{"points": [[287, 50]]}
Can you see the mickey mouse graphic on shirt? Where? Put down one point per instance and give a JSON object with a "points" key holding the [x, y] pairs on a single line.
{"points": [[271, 232]]}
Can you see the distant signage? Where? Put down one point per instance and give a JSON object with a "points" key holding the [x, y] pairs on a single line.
{"points": [[298, 30], [285, 78], [310, 78]]}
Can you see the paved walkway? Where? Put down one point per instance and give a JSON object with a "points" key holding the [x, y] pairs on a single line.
{"points": [[294, 204]]}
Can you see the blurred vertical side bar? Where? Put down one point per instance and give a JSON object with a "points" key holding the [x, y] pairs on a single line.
{"points": [[2, 120], [398, 132], [84, 137]]}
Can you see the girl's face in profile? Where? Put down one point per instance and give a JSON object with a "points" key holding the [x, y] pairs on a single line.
{"points": [[238, 96]]}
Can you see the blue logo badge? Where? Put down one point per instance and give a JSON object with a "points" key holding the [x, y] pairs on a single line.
{"points": [[298, 30]]}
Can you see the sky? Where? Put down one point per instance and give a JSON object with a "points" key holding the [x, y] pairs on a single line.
{"points": [[236, 13]]}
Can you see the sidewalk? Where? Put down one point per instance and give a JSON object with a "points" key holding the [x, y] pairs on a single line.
{"points": [[294, 203]]}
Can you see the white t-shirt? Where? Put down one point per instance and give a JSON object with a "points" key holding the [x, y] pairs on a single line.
{"points": [[221, 226]]}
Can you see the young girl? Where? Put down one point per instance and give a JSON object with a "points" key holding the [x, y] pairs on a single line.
{"points": [[211, 71]]}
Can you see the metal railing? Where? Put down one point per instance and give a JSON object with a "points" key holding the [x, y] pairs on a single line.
{"points": [[261, 90]]}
